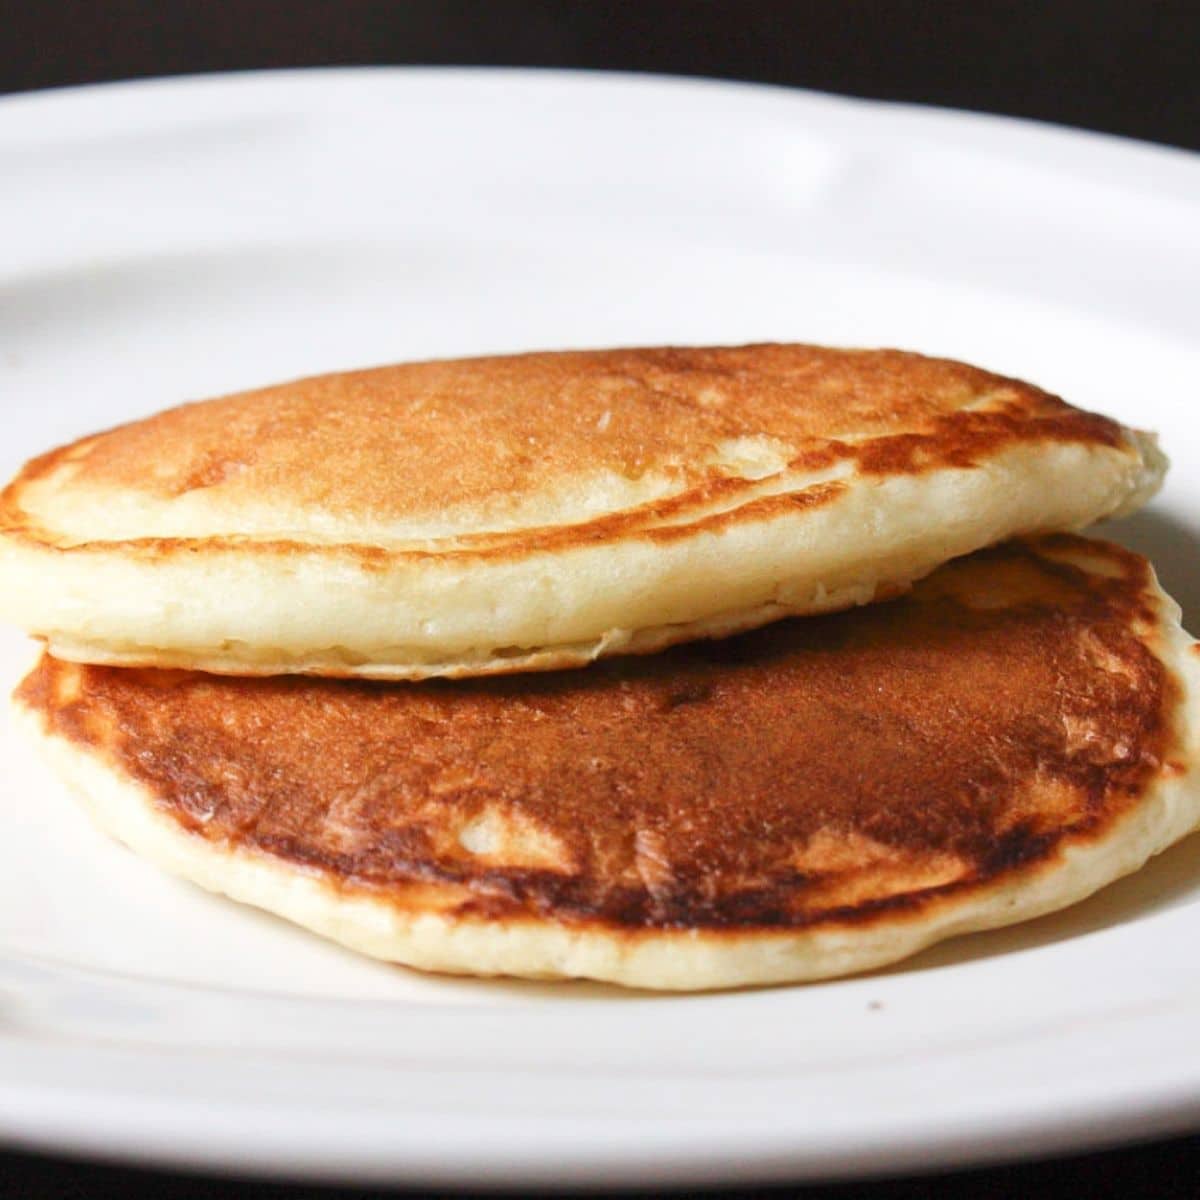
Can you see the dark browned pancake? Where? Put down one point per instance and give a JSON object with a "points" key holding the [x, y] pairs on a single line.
{"points": [[820, 795]]}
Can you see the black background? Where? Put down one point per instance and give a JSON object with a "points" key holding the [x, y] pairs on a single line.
{"points": [[1123, 66], [1119, 66]]}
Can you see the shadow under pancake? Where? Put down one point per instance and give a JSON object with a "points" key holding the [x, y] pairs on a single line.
{"points": [[1173, 548], [1166, 881]]}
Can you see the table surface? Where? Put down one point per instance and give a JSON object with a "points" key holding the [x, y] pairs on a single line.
{"points": [[1120, 66]]}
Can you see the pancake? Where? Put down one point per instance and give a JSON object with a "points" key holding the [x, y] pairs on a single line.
{"points": [[818, 797], [509, 514]]}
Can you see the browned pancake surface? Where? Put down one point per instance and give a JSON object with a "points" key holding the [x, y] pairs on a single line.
{"points": [[819, 770], [484, 435]]}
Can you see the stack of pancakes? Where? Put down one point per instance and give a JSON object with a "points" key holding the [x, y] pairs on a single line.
{"points": [[318, 647]]}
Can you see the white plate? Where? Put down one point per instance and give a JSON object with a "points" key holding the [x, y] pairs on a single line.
{"points": [[175, 239]]}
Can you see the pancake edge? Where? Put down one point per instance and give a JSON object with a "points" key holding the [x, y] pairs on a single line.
{"points": [[255, 609]]}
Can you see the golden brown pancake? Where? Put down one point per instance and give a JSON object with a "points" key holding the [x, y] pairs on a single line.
{"points": [[820, 796], [500, 514]]}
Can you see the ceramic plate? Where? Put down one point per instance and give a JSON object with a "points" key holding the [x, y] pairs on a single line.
{"points": [[176, 239]]}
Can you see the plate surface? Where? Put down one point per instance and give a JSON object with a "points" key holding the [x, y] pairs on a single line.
{"points": [[176, 239]]}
